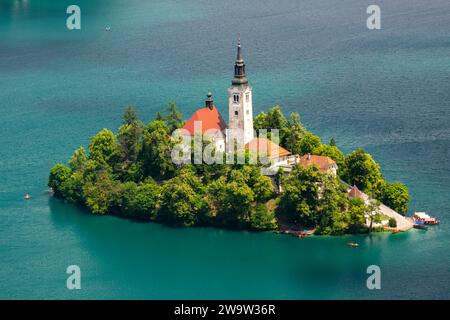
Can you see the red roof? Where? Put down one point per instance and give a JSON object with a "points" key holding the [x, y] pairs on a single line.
{"points": [[323, 162], [355, 193], [273, 150], [210, 119]]}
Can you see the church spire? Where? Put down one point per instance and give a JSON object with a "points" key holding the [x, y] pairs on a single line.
{"points": [[239, 50], [239, 67], [209, 102]]}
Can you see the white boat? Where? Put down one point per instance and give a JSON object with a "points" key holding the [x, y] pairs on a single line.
{"points": [[108, 28], [424, 218], [27, 197]]}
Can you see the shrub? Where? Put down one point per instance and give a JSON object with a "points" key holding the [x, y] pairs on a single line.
{"points": [[392, 223], [263, 218]]}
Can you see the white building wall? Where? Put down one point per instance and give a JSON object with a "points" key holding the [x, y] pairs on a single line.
{"points": [[240, 113]]}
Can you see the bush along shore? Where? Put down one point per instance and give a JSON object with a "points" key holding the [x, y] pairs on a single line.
{"points": [[131, 174]]}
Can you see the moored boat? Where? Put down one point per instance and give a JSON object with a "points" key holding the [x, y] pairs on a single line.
{"points": [[424, 218], [420, 226]]}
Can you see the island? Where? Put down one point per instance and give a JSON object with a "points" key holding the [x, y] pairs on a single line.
{"points": [[298, 185]]}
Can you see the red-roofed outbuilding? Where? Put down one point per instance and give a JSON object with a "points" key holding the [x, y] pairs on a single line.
{"points": [[325, 164]]}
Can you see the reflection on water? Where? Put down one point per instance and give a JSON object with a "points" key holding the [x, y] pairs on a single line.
{"points": [[14, 6]]}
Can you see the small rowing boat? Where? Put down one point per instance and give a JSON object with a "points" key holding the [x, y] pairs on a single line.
{"points": [[352, 244]]}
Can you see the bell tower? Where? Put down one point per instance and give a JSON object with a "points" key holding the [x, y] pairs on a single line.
{"points": [[240, 120]]}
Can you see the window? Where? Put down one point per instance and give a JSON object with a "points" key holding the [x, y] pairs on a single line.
{"points": [[236, 98], [247, 97], [248, 111], [236, 112]]}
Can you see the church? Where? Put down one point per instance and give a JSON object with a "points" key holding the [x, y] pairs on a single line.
{"points": [[239, 131]]}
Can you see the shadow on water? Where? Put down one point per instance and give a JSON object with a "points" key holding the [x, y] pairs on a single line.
{"points": [[148, 255]]}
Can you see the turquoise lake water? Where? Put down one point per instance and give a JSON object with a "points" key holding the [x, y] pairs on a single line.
{"points": [[387, 91]]}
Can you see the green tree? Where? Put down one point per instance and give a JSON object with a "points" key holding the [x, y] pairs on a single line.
{"points": [[181, 201], [355, 215], [263, 218], [260, 121], [98, 194], [121, 197], [92, 169], [130, 117], [173, 119], [292, 134], [231, 200], [137, 200], [273, 119], [394, 195], [332, 202], [300, 198], [72, 187], [159, 116], [129, 146], [78, 160], [392, 223], [308, 143], [373, 213], [156, 151], [362, 170], [58, 175], [333, 142], [263, 189], [144, 203], [103, 147]]}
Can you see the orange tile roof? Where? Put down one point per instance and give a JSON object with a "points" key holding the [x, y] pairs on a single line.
{"points": [[273, 150], [210, 118], [354, 192], [323, 162]]}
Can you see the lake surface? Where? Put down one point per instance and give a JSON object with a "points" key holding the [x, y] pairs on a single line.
{"points": [[387, 91]]}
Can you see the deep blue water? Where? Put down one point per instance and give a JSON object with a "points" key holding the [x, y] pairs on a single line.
{"points": [[387, 91]]}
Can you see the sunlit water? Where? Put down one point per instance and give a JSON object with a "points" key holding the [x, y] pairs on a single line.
{"points": [[387, 91]]}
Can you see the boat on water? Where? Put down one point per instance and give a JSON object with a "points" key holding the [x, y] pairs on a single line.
{"points": [[352, 244], [420, 226], [27, 197], [107, 28], [305, 233], [423, 218]]}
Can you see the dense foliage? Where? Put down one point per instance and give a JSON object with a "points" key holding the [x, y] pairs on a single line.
{"points": [[132, 174]]}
